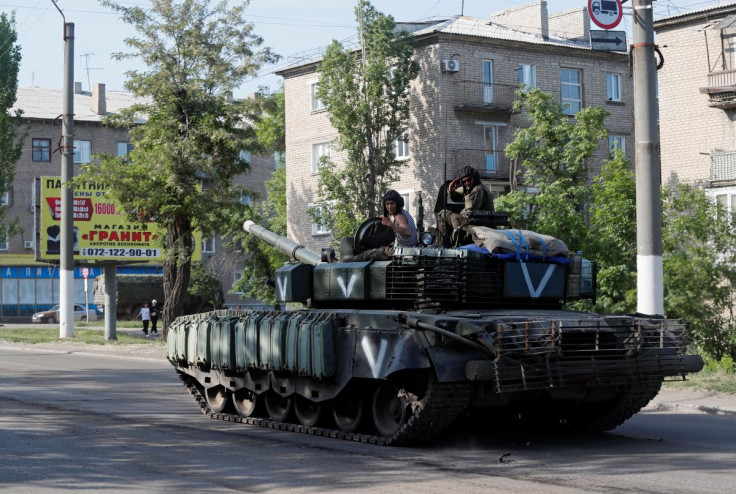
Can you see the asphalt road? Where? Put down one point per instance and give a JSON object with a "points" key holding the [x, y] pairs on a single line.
{"points": [[74, 421]]}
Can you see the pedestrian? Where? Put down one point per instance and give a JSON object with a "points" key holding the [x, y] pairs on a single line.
{"points": [[154, 317], [145, 315]]}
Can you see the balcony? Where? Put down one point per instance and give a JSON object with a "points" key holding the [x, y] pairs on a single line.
{"points": [[721, 89], [480, 97], [723, 166], [493, 165]]}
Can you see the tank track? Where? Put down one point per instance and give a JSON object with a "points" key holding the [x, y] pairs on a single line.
{"points": [[443, 404]]}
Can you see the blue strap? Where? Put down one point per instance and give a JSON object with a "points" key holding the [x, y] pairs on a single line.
{"points": [[513, 240], [521, 237]]}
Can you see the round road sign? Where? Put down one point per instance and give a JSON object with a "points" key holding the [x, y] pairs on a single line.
{"points": [[85, 273], [606, 14]]}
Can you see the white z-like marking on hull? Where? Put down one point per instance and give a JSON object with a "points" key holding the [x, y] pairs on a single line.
{"points": [[375, 364], [283, 282], [535, 293], [347, 290]]}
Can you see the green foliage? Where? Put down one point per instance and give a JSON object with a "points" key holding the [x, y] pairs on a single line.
{"points": [[257, 280], [186, 153], [204, 284], [366, 94], [552, 153], [11, 138]]}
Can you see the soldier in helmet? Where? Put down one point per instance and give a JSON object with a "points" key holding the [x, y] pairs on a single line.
{"points": [[474, 194]]}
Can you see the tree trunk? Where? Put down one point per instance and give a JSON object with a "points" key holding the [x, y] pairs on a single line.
{"points": [[177, 269]]}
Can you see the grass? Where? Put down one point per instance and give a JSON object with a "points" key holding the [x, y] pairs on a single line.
{"points": [[718, 381], [88, 336]]}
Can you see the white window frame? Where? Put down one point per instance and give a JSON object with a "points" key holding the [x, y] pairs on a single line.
{"points": [[245, 199], [406, 194], [616, 141], [568, 102], [317, 104], [208, 245], [277, 158], [725, 196], [4, 240], [237, 276], [527, 75], [319, 149], [6, 198], [613, 87], [126, 148], [82, 151], [401, 147], [488, 81], [245, 156], [318, 229], [38, 147], [496, 148]]}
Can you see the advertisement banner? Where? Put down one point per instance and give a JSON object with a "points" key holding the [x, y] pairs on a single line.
{"points": [[101, 231]]}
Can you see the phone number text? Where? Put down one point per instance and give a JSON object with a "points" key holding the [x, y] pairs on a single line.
{"points": [[119, 252]]}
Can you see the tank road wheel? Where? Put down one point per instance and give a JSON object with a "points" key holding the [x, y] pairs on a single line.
{"points": [[245, 402], [307, 411], [389, 409], [347, 410], [277, 407], [217, 397]]}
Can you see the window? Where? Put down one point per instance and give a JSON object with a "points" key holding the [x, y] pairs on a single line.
{"points": [[616, 142], [728, 201], [571, 88], [319, 226], [208, 245], [278, 158], [237, 276], [317, 104], [407, 201], [318, 151], [491, 145], [5, 199], [245, 199], [3, 242], [41, 149], [82, 151], [527, 75], [401, 146], [124, 148], [487, 81], [613, 87]]}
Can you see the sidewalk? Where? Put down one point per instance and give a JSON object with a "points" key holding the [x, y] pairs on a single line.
{"points": [[694, 401]]}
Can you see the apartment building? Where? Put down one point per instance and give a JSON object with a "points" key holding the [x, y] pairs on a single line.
{"points": [[28, 286], [697, 99], [462, 103]]}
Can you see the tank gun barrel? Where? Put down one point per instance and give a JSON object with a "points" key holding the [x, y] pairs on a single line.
{"points": [[283, 244]]}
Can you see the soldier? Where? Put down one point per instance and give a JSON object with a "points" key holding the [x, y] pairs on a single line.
{"points": [[475, 195]]}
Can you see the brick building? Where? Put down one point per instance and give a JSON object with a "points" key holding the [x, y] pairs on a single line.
{"points": [[697, 99], [27, 286], [461, 103]]}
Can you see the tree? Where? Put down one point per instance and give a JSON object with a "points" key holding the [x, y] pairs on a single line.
{"points": [[263, 259], [553, 153], [366, 94], [186, 153], [11, 138]]}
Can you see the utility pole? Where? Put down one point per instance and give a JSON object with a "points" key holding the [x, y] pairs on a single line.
{"points": [[66, 295], [650, 277]]}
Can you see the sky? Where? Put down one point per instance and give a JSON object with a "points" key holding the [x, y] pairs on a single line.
{"points": [[295, 29]]}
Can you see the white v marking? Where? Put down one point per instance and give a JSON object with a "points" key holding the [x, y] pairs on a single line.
{"points": [[283, 282], [535, 293], [375, 364], [347, 290]]}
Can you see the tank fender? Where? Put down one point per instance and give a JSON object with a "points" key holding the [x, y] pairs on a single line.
{"points": [[449, 362], [380, 353]]}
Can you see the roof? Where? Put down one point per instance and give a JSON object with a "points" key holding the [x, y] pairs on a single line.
{"points": [[48, 104], [718, 8], [474, 26]]}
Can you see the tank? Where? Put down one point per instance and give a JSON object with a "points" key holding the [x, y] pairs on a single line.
{"points": [[394, 351]]}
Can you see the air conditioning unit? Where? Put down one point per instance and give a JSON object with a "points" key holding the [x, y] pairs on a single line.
{"points": [[450, 65], [28, 244]]}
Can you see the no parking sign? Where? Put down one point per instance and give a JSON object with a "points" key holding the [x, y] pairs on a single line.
{"points": [[606, 14]]}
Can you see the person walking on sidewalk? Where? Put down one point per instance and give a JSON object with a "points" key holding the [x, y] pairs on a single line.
{"points": [[145, 315], [154, 317]]}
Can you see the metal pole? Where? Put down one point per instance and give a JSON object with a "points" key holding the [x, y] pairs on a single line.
{"points": [[650, 277], [66, 299], [111, 305]]}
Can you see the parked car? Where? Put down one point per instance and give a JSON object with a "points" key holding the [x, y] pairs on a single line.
{"points": [[52, 315]]}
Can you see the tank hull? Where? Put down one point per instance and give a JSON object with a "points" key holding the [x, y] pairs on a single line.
{"points": [[401, 377]]}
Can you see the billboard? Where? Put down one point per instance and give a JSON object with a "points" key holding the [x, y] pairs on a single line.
{"points": [[101, 231]]}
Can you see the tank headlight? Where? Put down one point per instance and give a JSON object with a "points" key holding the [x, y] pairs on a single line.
{"points": [[427, 239]]}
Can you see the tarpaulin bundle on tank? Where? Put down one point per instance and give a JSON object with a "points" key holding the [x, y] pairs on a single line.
{"points": [[523, 245]]}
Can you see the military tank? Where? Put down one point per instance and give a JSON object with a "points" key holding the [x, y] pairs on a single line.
{"points": [[394, 351]]}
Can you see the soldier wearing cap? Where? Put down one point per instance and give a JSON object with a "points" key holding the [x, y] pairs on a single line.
{"points": [[475, 196]]}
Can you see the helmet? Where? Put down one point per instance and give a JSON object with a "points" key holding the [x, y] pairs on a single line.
{"points": [[469, 171], [392, 195]]}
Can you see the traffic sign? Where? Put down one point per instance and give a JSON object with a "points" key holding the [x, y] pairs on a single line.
{"points": [[608, 40], [85, 272], [606, 14]]}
